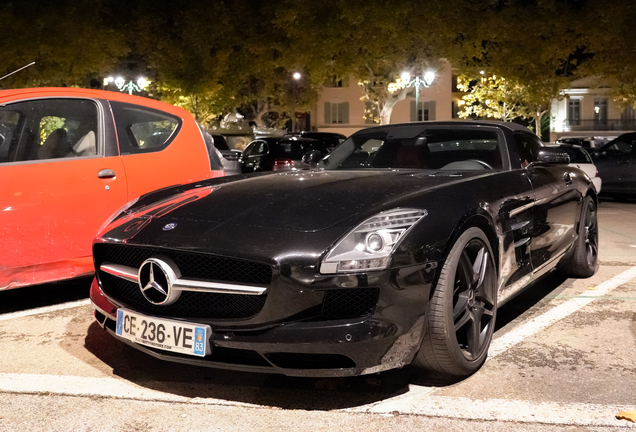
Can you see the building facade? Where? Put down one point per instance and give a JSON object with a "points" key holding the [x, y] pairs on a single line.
{"points": [[341, 107], [587, 110]]}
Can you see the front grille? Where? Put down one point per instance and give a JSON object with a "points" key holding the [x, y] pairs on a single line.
{"points": [[191, 264], [191, 304], [349, 302]]}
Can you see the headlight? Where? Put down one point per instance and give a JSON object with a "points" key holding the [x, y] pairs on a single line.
{"points": [[369, 245]]}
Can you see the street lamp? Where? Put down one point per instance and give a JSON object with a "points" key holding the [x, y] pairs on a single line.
{"points": [[418, 82], [129, 86], [296, 76]]}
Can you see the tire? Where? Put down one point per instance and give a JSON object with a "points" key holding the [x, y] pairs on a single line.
{"points": [[462, 310], [583, 260]]}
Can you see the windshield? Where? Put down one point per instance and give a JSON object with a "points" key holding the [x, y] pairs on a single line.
{"points": [[413, 147], [577, 154]]}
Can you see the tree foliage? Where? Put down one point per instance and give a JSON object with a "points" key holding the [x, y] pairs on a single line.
{"points": [[372, 41], [505, 99], [492, 97], [221, 56], [68, 40]]}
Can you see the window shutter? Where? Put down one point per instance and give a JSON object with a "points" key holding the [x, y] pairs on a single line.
{"points": [[328, 113], [345, 112], [431, 110], [413, 111]]}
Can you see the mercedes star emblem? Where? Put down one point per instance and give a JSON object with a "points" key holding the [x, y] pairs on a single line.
{"points": [[156, 278]]}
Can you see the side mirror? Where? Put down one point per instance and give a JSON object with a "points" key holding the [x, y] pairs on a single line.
{"points": [[550, 155], [312, 158]]}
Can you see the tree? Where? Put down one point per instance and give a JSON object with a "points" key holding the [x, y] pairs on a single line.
{"points": [[69, 41], [223, 56], [492, 97], [611, 47], [387, 89], [202, 106], [372, 41], [500, 98], [384, 94], [538, 46]]}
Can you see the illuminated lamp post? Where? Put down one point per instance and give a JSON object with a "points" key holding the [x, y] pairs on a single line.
{"points": [[418, 82], [296, 76]]}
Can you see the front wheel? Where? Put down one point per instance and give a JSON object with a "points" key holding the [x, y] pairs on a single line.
{"points": [[462, 311]]}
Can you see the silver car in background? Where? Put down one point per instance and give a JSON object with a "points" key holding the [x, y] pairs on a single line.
{"points": [[581, 159]]}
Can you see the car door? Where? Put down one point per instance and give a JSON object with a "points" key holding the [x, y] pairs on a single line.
{"points": [[254, 155], [58, 187], [556, 204], [615, 164]]}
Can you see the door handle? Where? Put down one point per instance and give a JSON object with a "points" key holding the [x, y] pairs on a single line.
{"points": [[106, 173]]}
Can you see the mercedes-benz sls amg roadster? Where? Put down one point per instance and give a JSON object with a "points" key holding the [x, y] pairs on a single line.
{"points": [[395, 249]]}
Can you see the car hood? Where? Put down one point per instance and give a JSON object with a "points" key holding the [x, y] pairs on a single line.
{"points": [[300, 201]]}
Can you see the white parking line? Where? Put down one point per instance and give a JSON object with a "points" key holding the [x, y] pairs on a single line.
{"points": [[510, 339], [422, 403], [45, 309], [521, 411]]}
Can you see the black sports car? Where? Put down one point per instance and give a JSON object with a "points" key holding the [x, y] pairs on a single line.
{"points": [[395, 249]]}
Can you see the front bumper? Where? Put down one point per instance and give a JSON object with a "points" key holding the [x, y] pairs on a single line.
{"points": [[386, 339]]}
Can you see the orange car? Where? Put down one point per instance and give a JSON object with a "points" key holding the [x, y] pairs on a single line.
{"points": [[69, 158]]}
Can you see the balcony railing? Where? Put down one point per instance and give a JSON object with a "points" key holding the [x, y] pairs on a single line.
{"points": [[599, 125]]}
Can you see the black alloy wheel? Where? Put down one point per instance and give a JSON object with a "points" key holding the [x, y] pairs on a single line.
{"points": [[583, 260], [589, 229], [462, 311]]}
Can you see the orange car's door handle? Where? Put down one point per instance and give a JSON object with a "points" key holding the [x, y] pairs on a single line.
{"points": [[106, 173]]}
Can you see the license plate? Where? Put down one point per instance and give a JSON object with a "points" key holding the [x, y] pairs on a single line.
{"points": [[164, 334]]}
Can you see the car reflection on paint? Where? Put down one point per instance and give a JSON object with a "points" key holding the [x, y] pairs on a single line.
{"points": [[396, 249], [581, 159]]}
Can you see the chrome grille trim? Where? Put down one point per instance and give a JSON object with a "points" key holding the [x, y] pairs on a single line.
{"points": [[131, 274], [128, 273]]}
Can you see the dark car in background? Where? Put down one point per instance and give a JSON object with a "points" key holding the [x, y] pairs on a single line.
{"points": [[397, 249], [588, 142], [580, 141], [616, 164], [279, 153], [330, 139]]}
